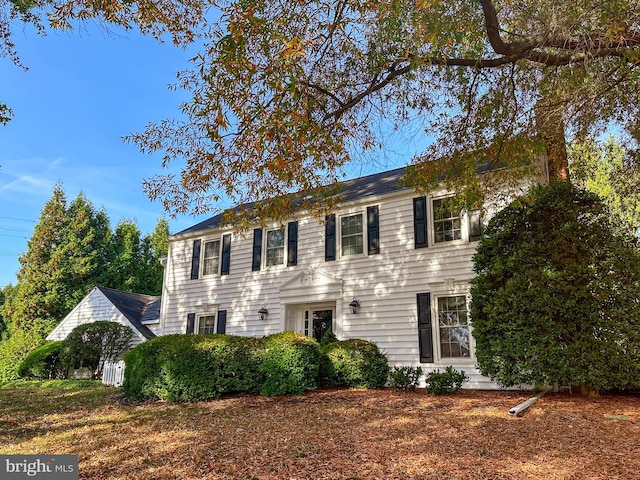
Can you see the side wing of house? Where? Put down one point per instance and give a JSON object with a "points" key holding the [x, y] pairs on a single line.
{"points": [[94, 307]]}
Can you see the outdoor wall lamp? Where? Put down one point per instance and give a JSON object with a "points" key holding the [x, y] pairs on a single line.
{"points": [[354, 305], [263, 312]]}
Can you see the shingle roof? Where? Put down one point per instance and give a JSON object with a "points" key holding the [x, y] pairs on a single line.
{"points": [[354, 189], [136, 307], [368, 186]]}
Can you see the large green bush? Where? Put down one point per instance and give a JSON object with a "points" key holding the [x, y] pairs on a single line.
{"points": [[557, 294], [197, 367], [43, 363], [192, 367], [16, 345], [290, 363], [357, 363], [90, 345]]}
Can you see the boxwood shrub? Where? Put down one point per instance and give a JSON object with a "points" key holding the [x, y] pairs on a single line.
{"points": [[197, 367], [357, 363], [290, 363], [43, 363], [192, 367]]}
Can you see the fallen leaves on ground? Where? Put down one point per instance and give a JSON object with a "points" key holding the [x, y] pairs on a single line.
{"points": [[330, 434]]}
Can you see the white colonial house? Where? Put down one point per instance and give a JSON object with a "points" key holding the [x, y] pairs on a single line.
{"points": [[389, 266]]}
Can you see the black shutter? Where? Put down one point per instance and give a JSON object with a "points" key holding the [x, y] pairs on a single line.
{"points": [[475, 225], [195, 260], [191, 321], [373, 231], [257, 249], [330, 238], [292, 244], [420, 222], [226, 254], [425, 335], [221, 327]]}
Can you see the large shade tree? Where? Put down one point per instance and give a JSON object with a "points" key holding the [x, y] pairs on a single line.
{"points": [[284, 94]]}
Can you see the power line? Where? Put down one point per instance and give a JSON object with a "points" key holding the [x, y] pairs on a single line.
{"points": [[14, 236], [15, 230], [19, 219]]}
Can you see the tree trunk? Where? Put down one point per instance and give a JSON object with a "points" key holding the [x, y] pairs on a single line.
{"points": [[550, 127]]}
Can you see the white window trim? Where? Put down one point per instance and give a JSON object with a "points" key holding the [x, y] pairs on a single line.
{"points": [[435, 327], [464, 236], [206, 313], [363, 234], [265, 244], [202, 257]]}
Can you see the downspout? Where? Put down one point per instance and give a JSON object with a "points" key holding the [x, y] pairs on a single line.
{"points": [[519, 409]]}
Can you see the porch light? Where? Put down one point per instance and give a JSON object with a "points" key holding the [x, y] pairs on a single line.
{"points": [[263, 312], [354, 305]]}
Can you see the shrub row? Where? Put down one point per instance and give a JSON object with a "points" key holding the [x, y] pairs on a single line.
{"points": [[197, 367]]}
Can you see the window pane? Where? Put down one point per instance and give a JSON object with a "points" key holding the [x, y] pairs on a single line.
{"points": [[275, 247], [207, 324], [351, 235], [453, 322], [447, 223], [211, 258]]}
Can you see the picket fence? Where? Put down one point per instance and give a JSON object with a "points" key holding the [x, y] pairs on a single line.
{"points": [[113, 373]]}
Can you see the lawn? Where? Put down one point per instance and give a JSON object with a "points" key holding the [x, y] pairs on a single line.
{"points": [[331, 434]]}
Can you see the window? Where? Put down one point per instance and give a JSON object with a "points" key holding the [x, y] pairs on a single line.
{"points": [[453, 324], [211, 258], [447, 223], [275, 247], [351, 235], [206, 324]]}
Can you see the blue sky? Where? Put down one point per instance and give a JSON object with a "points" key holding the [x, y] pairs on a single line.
{"points": [[84, 90]]}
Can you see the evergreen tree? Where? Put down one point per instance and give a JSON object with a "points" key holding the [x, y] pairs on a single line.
{"points": [[611, 171], [38, 273], [556, 295]]}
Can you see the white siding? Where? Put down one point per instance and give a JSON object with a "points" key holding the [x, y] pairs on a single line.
{"points": [[95, 307], [386, 284]]}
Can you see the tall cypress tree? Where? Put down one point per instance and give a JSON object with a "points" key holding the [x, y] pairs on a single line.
{"points": [[39, 264], [65, 257]]}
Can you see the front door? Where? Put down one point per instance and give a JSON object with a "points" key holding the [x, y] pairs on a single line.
{"points": [[321, 323], [313, 320]]}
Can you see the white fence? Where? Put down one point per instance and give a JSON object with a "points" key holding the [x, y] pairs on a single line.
{"points": [[113, 373]]}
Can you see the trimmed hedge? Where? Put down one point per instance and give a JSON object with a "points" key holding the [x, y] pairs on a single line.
{"points": [[43, 363], [290, 363], [192, 367], [357, 363], [198, 367]]}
